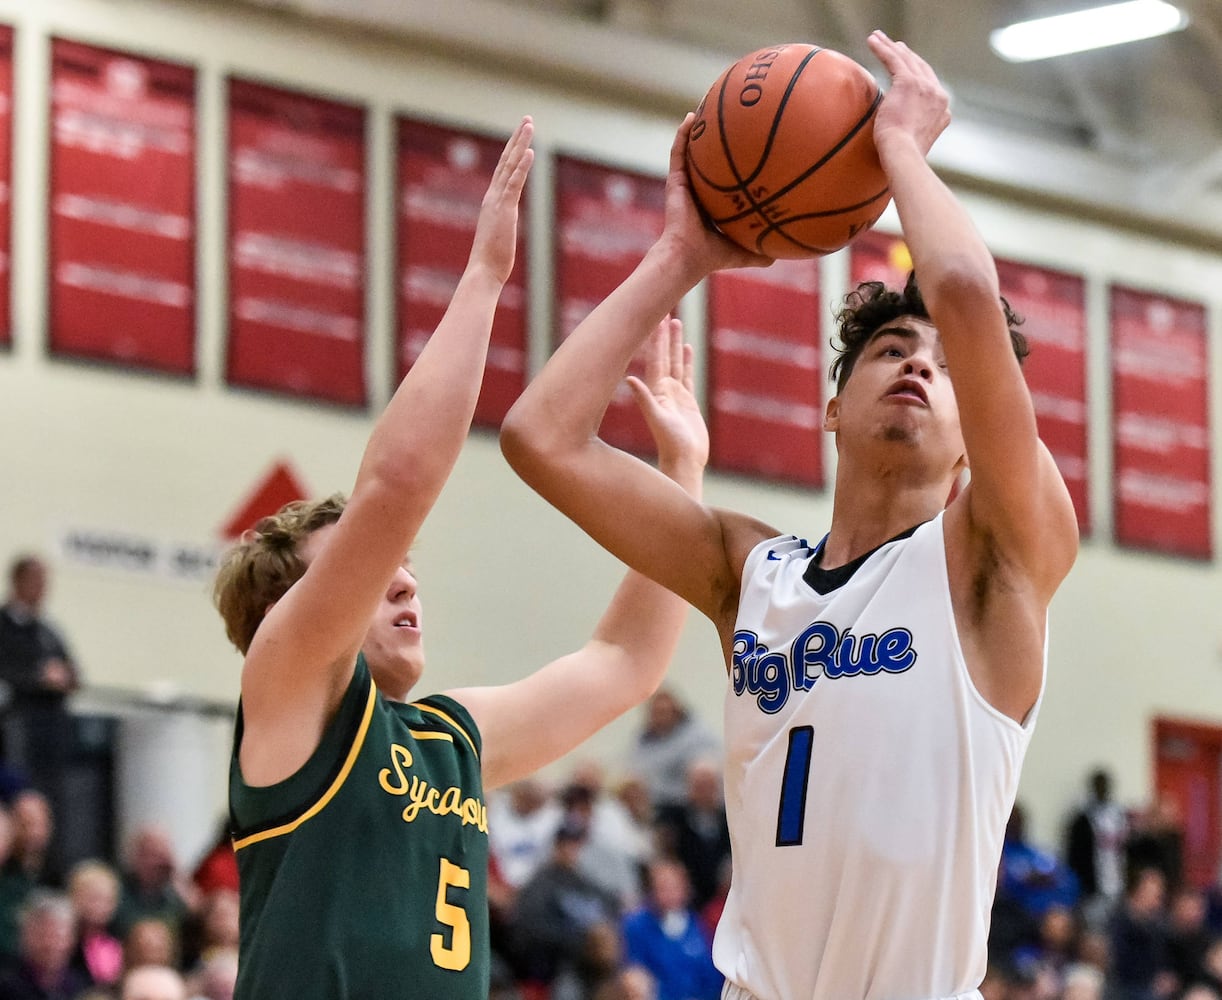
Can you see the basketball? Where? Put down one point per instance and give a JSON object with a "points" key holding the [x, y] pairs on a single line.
{"points": [[781, 155]]}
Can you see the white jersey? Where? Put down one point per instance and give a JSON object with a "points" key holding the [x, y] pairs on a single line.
{"points": [[868, 783]]}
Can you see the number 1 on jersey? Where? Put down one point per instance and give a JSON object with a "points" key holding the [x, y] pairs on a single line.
{"points": [[791, 814]]}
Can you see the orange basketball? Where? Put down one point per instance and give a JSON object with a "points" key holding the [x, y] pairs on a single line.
{"points": [[781, 156]]}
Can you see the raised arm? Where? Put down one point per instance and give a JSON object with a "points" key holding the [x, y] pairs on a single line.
{"points": [[302, 654], [1016, 506], [534, 721], [550, 436]]}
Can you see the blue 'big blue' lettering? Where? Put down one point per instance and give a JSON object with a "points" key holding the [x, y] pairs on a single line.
{"points": [[819, 650]]}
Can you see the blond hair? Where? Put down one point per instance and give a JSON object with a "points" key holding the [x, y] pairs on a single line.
{"points": [[258, 570]]}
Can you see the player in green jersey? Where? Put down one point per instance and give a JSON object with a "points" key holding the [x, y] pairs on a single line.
{"points": [[358, 816]]}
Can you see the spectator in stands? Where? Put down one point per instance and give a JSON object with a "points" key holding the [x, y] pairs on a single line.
{"points": [[38, 672], [1213, 964], [214, 927], [632, 792], [93, 888], [31, 858], [217, 976], [614, 856], [1031, 876], [598, 964], [522, 821], [667, 937], [1156, 840], [1140, 966], [669, 741], [633, 983], [14, 887], [556, 909], [1188, 936], [1095, 949], [695, 831], [1200, 991], [152, 883], [1054, 949], [1095, 848], [153, 982], [151, 941], [1083, 982], [43, 970]]}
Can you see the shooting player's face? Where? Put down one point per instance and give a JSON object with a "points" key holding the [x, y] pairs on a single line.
{"points": [[900, 393]]}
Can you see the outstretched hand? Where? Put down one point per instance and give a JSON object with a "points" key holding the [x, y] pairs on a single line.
{"points": [[667, 399], [496, 232], [700, 247], [916, 104]]}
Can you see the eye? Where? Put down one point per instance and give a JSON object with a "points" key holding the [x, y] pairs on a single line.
{"points": [[892, 352]]}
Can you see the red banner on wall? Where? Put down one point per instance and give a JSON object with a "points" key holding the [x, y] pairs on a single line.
{"points": [[765, 375], [443, 174], [296, 244], [1160, 423], [122, 228], [6, 187], [1053, 307], [606, 219]]}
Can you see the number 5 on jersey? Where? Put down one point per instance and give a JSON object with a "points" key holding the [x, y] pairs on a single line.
{"points": [[791, 813], [458, 955]]}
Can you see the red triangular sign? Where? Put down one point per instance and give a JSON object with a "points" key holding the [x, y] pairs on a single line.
{"points": [[274, 490]]}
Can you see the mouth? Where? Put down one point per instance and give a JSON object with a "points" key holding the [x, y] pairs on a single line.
{"points": [[409, 619], [908, 389]]}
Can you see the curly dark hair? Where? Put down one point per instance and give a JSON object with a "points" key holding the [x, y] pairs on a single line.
{"points": [[872, 305]]}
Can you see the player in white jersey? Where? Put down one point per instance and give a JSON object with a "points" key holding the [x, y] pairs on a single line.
{"points": [[883, 682]]}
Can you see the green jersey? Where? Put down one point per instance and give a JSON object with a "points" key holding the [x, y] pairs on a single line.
{"points": [[364, 875]]}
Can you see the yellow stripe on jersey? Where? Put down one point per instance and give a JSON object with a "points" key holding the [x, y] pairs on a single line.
{"points": [[452, 721], [422, 734], [329, 794]]}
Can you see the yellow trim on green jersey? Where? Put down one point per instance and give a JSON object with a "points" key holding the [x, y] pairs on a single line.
{"points": [[449, 719], [340, 778], [425, 734]]}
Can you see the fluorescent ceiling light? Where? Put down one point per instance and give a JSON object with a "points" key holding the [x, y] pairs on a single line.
{"points": [[1095, 28]]}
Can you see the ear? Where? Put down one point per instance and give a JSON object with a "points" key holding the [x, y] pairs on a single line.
{"points": [[831, 416]]}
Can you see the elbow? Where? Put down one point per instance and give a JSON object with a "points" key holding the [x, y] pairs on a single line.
{"points": [[533, 446], [519, 445], [961, 283]]}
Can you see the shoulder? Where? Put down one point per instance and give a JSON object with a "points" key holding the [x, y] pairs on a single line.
{"points": [[448, 711]]}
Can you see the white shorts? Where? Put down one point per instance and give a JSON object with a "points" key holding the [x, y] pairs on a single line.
{"points": [[732, 991]]}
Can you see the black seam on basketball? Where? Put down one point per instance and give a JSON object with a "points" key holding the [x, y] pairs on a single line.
{"points": [[756, 206], [721, 128], [721, 131], [775, 228], [776, 119]]}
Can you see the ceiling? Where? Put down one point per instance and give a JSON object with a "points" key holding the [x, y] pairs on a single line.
{"points": [[1133, 133]]}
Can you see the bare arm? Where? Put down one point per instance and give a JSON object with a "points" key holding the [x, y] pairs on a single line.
{"points": [[536, 720], [550, 436], [302, 655], [1016, 502]]}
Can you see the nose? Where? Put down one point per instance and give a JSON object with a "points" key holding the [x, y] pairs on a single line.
{"points": [[402, 585], [919, 365]]}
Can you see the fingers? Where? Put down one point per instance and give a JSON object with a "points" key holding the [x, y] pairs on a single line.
{"points": [[678, 148], [516, 158], [897, 57], [689, 368], [675, 349]]}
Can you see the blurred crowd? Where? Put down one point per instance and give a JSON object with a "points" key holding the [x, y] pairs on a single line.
{"points": [[599, 889]]}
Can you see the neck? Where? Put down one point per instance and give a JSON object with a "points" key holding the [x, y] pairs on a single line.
{"points": [[868, 509]]}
